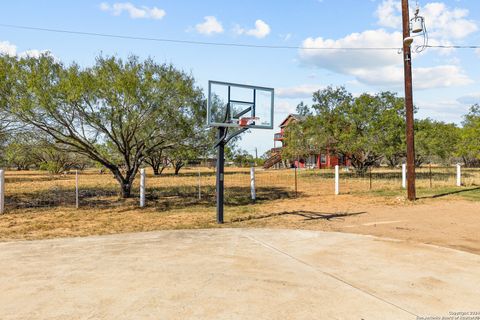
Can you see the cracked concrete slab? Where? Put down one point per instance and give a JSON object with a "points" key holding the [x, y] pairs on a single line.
{"points": [[234, 274]]}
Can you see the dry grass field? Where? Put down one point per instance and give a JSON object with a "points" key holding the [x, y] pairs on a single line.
{"points": [[40, 206]]}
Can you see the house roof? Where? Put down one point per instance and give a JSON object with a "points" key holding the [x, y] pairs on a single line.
{"points": [[291, 117]]}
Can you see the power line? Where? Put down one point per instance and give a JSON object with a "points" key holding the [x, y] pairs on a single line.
{"points": [[453, 47], [223, 44]]}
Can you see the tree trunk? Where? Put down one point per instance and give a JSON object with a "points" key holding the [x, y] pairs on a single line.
{"points": [[393, 161], [419, 160], [157, 165], [158, 170], [178, 166], [362, 163], [125, 183], [177, 170], [126, 190], [471, 162]]}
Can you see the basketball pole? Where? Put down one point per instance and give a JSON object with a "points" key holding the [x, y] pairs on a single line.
{"points": [[234, 117], [220, 173]]}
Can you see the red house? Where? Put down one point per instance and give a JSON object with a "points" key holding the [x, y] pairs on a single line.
{"points": [[314, 160]]}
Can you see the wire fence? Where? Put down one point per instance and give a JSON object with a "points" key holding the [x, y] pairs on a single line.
{"points": [[196, 186]]}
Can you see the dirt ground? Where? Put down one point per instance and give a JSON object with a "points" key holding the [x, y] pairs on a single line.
{"points": [[452, 223], [42, 206], [448, 221]]}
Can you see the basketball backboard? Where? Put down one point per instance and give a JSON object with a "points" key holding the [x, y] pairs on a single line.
{"points": [[238, 105]]}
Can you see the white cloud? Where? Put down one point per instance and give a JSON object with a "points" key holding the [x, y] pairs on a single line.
{"points": [[302, 91], [388, 14], [347, 61], [442, 76], [448, 24], [8, 48], [444, 110], [104, 6], [470, 99], [134, 12], [210, 26], [286, 37], [384, 67], [442, 22], [261, 30], [35, 53], [285, 106], [377, 67], [11, 50]]}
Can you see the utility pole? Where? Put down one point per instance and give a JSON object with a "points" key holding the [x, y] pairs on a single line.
{"points": [[410, 134]]}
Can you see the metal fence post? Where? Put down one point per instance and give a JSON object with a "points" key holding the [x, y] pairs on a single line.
{"points": [[2, 191], [430, 174], [252, 183], [199, 185], [404, 176], [337, 180], [459, 175], [370, 178], [77, 200], [296, 178], [142, 188]]}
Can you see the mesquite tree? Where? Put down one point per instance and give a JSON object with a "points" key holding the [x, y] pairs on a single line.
{"points": [[365, 129], [158, 161], [469, 143], [115, 112], [435, 141]]}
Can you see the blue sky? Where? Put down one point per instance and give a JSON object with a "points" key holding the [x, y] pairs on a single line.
{"points": [[446, 81]]}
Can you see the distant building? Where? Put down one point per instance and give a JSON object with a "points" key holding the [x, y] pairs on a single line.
{"points": [[317, 160]]}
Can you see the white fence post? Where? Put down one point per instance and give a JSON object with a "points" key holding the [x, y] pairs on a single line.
{"points": [[77, 200], [337, 180], [459, 175], [404, 176], [2, 191], [252, 183], [142, 188]]}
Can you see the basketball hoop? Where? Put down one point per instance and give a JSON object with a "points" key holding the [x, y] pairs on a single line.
{"points": [[240, 107], [243, 122]]}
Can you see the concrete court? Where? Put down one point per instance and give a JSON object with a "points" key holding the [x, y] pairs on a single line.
{"points": [[234, 274]]}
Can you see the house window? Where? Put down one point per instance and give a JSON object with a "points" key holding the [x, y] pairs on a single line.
{"points": [[323, 159], [341, 160]]}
